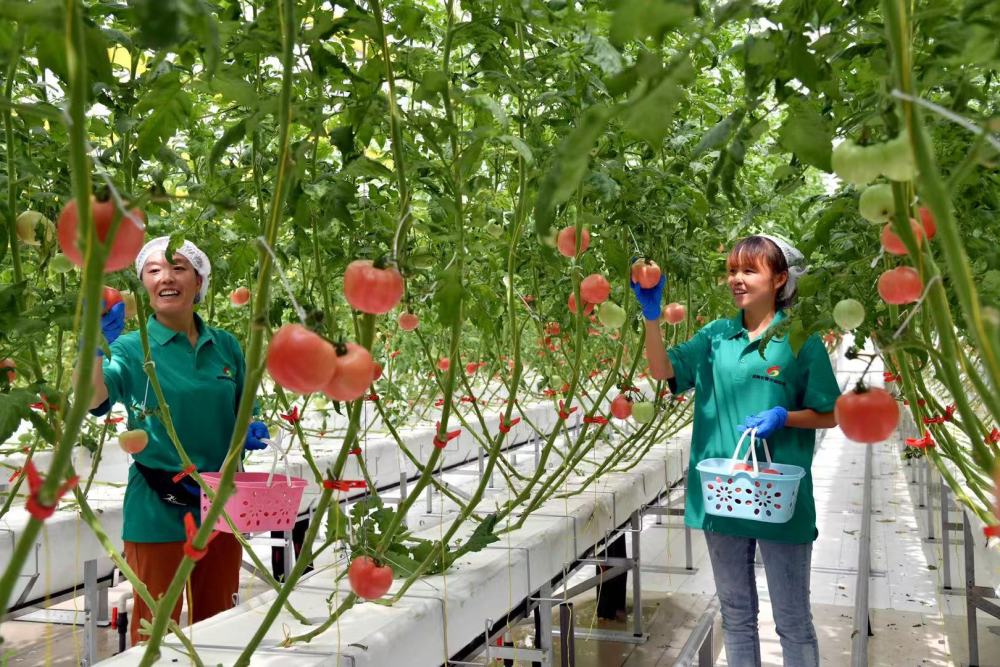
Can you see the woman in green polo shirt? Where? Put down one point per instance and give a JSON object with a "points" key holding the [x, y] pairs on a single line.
{"points": [[786, 397], [201, 370]]}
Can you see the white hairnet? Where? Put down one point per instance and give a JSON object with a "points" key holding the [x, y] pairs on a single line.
{"points": [[193, 253], [796, 264]]}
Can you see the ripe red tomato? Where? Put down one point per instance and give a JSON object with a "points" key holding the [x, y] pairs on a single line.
{"points": [[133, 442], [621, 407], [376, 370], [128, 239], [571, 304], [109, 298], [368, 579], [674, 313], [354, 373], [867, 416], [371, 289], [11, 364], [927, 218], [444, 363], [646, 273], [300, 360], [408, 321], [595, 288], [552, 329], [893, 244], [471, 368], [239, 296], [566, 242], [900, 285]]}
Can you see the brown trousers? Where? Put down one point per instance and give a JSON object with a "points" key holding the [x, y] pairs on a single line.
{"points": [[211, 586]]}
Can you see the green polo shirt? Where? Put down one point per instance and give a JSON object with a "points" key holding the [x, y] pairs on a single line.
{"points": [[202, 385], [732, 381]]}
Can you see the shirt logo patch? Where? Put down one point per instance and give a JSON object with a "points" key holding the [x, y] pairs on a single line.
{"points": [[226, 374], [772, 374]]}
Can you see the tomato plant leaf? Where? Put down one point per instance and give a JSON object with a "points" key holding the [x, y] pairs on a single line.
{"points": [[448, 295], [13, 409], [639, 19], [806, 133]]}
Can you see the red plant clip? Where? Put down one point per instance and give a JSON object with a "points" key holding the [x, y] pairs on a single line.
{"points": [[394, 354], [190, 530], [991, 531], [356, 451], [372, 397], [680, 399], [34, 506], [183, 473], [438, 403], [993, 437], [565, 415], [344, 484], [292, 417], [14, 475], [467, 399], [449, 436], [114, 420], [595, 420], [549, 393], [921, 443], [949, 412], [934, 420], [505, 428], [890, 377]]}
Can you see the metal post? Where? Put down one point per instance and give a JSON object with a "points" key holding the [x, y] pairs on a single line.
{"points": [[706, 654], [538, 449], [567, 644], [930, 502], [403, 481], [91, 604], [945, 538], [635, 525], [430, 498], [922, 482], [862, 620], [970, 592], [289, 555], [688, 557], [479, 460], [543, 640]]}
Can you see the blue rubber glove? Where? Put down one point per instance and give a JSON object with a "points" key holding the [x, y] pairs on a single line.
{"points": [[257, 431], [651, 298], [112, 324], [766, 423]]}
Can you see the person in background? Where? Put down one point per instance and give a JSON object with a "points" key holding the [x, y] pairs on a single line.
{"points": [[784, 396], [201, 371]]}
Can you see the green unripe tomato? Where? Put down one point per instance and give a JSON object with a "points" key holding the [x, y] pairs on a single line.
{"points": [[876, 204], [898, 163], [494, 230], [611, 314], [32, 227], [642, 412], [848, 314], [61, 263], [855, 164]]}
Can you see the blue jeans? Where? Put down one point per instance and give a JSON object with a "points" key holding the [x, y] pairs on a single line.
{"points": [[787, 568]]}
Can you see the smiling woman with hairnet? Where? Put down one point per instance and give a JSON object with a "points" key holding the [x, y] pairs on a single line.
{"points": [[781, 395], [201, 371]]}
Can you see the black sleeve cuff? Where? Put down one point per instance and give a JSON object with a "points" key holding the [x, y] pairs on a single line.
{"points": [[102, 409], [672, 385]]}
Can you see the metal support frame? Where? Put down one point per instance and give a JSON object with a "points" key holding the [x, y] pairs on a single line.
{"points": [[862, 615], [700, 645], [661, 511], [93, 614], [977, 598]]}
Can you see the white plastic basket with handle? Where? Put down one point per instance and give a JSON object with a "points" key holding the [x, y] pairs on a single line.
{"points": [[732, 488]]}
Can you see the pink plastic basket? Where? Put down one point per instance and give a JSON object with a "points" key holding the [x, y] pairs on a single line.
{"points": [[262, 502]]}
